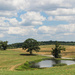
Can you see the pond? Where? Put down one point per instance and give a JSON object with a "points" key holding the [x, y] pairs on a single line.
{"points": [[50, 63]]}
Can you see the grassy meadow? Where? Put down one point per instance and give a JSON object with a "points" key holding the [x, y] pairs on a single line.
{"points": [[12, 58], [70, 50]]}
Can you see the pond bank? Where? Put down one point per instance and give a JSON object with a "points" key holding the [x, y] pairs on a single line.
{"points": [[45, 63], [53, 56]]}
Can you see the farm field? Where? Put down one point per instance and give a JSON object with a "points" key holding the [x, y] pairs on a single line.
{"points": [[70, 50], [12, 58]]}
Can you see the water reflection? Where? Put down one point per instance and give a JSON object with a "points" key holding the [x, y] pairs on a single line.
{"points": [[50, 63]]}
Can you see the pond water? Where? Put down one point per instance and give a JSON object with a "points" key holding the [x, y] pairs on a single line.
{"points": [[50, 63]]}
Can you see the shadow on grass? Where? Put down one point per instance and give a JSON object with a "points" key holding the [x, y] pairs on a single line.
{"points": [[28, 54]]}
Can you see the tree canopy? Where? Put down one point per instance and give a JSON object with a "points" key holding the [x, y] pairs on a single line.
{"points": [[30, 45], [3, 45], [56, 52]]}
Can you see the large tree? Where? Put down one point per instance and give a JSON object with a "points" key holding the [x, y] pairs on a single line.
{"points": [[3, 45], [30, 45], [56, 52]]}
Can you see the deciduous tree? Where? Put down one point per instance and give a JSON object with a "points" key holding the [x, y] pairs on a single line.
{"points": [[30, 45], [56, 52], [3, 45]]}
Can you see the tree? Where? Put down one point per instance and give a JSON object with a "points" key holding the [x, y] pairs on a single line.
{"points": [[30, 45], [56, 52], [3, 45]]}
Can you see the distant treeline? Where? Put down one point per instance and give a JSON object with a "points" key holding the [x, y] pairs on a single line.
{"points": [[19, 45], [15, 45], [53, 42]]}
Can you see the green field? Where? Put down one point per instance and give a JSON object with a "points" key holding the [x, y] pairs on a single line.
{"points": [[12, 58]]}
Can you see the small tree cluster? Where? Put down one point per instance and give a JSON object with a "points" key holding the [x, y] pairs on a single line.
{"points": [[30, 45], [56, 52], [3, 45]]}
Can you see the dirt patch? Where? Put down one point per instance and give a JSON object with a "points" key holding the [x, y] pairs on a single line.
{"points": [[13, 67]]}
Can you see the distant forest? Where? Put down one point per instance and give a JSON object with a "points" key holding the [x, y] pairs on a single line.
{"points": [[19, 45]]}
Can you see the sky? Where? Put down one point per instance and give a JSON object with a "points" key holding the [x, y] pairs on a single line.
{"points": [[42, 20]]}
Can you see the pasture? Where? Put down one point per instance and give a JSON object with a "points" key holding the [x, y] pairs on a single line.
{"points": [[70, 50], [12, 58]]}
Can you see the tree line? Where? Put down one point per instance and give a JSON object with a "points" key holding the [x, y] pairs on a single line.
{"points": [[53, 42], [32, 44], [19, 45]]}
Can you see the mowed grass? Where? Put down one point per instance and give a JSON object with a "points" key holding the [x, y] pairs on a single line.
{"points": [[64, 70], [11, 58]]}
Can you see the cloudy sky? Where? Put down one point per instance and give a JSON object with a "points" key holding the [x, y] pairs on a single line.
{"points": [[42, 20]]}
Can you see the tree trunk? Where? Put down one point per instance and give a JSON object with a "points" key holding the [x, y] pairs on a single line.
{"points": [[30, 52]]}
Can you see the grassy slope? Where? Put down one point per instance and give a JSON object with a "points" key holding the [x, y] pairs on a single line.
{"points": [[11, 58], [65, 70]]}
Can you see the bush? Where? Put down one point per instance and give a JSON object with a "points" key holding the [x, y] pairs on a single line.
{"points": [[25, 66]]}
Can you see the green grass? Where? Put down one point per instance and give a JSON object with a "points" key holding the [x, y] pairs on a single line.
{"points": [[10, 58], [64, 70]]}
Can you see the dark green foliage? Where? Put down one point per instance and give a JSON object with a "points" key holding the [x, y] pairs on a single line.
{"points": [[53, 42], [3, 45], [19, 45], [15, 45], [29, 65], [56, 52], [31, 44], [25, 66]]}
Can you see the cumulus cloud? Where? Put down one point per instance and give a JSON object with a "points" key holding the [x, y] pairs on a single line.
{"points": [[2, 22], [21, 30], [32, 18], [60, 29], [46, 30], [13, 6], [1, 35], [43, 5], [8, 14], [70, 19], [8, 21], [62, 11], [27, 18]]}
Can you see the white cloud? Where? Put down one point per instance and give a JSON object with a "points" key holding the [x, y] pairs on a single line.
{"points": [[8, 13], [7, 5], [13, 22], [62, 11], [21, 30], [70, 19], [69, 34], [55, 30], [28, 19], [66, 28], [11, 7], [44, 5], [32, 18], [33, 14], [50, 18], [8, 21], [2, 22], [1, 35], [32, 4], [46, 30]]}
